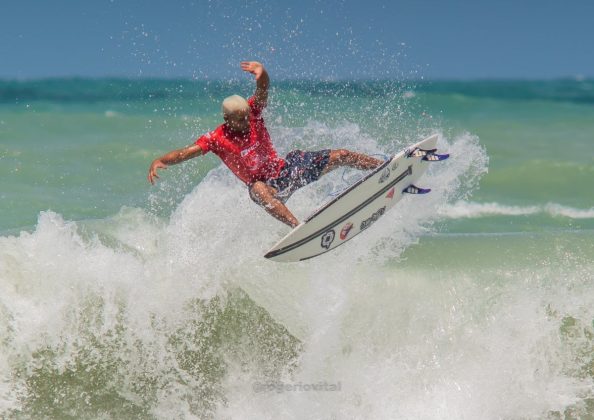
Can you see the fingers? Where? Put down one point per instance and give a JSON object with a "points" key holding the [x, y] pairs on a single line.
{"points": [[250, 66], [152, 175], [253, 67]]}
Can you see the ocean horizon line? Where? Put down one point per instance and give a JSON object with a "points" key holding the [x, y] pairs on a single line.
{"points": [[100, 89], [571, 78]]}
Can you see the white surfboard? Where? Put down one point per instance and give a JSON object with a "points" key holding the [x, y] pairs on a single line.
{"points": [[359, 206]]}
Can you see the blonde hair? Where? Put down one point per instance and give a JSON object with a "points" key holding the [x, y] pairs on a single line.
{"points": [[233, 104]]}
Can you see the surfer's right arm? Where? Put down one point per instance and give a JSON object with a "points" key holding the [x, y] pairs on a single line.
{"points": [[262, 81], [171, 158]]}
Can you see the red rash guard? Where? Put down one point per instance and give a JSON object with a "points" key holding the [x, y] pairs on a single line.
{"points": [[251, 156]]}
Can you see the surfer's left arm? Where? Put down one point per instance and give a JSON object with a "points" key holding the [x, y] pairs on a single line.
{"points": [[262, 81]]}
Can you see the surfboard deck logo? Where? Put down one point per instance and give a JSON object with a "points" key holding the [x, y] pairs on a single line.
{"points": [[327, 239], [344, 232], [360, 205], [368, 222]]}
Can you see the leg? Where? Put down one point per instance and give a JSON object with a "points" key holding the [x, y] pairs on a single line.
{"points": [[264, 196], [343, 157]]}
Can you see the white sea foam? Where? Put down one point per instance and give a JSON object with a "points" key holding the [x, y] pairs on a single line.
{"points": [[412, 342], [466, 209], [559, 210], [111, 114]]}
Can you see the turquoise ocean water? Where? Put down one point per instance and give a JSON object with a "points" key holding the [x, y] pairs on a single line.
{"points": [[124, 300]]}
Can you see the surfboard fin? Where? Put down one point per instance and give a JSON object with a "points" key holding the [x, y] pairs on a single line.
{"points": [[434, 157], [411, 189]]}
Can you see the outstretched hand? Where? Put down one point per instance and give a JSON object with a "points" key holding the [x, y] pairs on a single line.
{"points": [[253, 67], [157, 164]]}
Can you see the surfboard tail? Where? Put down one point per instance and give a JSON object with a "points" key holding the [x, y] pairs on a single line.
{"points": [[417, 152], [429, 155]]}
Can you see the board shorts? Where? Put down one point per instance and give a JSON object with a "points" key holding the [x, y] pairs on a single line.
{"points": [[301, 168]]}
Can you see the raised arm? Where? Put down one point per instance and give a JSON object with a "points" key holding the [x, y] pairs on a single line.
{"points": [[262, 80], [171, 158]]}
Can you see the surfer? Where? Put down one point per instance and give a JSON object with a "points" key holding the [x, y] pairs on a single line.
{"points": [[244, 145]]}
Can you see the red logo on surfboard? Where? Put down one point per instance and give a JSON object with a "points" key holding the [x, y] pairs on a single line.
{"points": [[344, 232], [390, 194]]}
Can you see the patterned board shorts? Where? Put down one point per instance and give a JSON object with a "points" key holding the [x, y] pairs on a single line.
{"points": [[301, 168]]}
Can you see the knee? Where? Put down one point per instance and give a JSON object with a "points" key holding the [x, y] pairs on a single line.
{"points": [[260, 192], [256, 191]]}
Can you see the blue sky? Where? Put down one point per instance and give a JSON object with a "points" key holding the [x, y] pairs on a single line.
{"points": [[331, 39]]}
